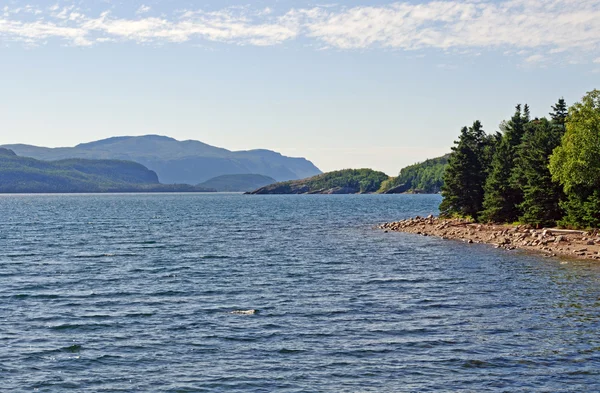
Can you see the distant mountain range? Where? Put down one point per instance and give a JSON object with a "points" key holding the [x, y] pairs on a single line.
{"points": [[174, 161], [28, 175]]}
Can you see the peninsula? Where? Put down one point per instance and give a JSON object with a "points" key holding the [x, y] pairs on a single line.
{"points": [[534, 185], [347, 181]]}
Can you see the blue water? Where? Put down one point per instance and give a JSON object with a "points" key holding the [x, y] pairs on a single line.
{"points": [[108, 293]]}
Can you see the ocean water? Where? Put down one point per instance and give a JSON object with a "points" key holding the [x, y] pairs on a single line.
{"points": [[126, 293]]}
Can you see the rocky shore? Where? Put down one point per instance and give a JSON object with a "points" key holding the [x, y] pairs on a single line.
{"points": [[550, 241]]}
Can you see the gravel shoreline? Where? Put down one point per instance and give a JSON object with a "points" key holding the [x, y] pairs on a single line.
{"points": [[549, 241]]}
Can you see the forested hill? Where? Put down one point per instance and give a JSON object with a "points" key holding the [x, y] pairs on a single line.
{"points": [[425, 178], [174, 161], [347, 181], [28, 175]]}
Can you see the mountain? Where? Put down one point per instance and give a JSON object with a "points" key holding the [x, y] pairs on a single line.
{"points": [[347, 181], [176, 161], [238, 183], [426, 177], [28, 175]]}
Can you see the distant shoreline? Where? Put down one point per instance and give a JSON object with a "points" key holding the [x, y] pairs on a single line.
{"points": [[548, 241], [111, 192]]}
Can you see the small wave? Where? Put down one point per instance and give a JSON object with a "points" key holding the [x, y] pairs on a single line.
{"points": [[41, 296], [244, 312], [396, 279], [286, 350], [69, 326], [92, 256], [75, 348], [141, 314], [21, 255], [243, 339], [475, 363]]}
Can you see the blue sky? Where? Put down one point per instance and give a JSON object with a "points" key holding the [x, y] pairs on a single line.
{"points": [[355, 84]]}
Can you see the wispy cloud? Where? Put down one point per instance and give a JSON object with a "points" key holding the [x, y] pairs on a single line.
{"points": [[143, 9], [535, 59], [537, 29]]}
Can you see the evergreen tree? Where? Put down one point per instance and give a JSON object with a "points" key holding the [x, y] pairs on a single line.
{"points": [[465, 174], [576, 163], [559, 112], [541, 195], [503, 193], [526, 114]]}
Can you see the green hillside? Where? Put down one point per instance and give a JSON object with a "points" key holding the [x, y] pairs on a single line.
{"points": [[238, 183], [426, 177], [347, 181], [174, 161], [28, 175]]}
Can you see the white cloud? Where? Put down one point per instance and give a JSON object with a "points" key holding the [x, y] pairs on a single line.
{"points": [[535, 59], [533, 29], [523, 24], [143, 9], [597, 60]]}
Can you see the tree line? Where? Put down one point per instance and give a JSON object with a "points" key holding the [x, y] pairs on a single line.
{"points": [[425, 177], [537, 171]]}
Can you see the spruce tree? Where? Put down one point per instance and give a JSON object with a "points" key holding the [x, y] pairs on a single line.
{"points": [[503, 193], [559, 112], [541, 195], [465, 174]]}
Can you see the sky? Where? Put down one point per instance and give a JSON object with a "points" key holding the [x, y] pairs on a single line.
{"points": [[354, 84]]}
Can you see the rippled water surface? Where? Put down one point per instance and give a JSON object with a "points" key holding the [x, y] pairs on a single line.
{"points": [[102, 293]]}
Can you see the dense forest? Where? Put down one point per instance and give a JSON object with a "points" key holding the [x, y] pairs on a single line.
{"points": [[28, 175], [538, 171], [347, 181], [426, 177]]}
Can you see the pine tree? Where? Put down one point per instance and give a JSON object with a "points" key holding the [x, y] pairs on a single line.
{"points": [[541, 195], [503, 193], [465, 174], [559, 112]]}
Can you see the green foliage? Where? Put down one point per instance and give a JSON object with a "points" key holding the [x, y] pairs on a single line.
{"points": [[559, 112], [426, 177], [503, 187], [466, 172], [534, 172], [541, 195], [347, 181], [576, 163]]}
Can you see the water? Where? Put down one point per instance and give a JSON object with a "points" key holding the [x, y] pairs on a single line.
{"points": [[107, 293]]}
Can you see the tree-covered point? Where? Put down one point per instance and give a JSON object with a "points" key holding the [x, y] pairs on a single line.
{"points": [[537, 171], [28, 175], [347, 181], [426, 177]]}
